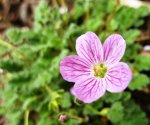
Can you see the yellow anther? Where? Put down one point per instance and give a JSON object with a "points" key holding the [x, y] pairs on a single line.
{"points": [[99, 70]]}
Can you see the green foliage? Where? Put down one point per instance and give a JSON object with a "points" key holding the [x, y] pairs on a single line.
{"points": [[131, 109], [30, 59], [139, 81], [142, 63], [115, 113], [120, 114], [111, 98]]}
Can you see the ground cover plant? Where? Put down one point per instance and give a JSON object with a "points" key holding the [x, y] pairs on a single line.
{"points": [[34, 92]]}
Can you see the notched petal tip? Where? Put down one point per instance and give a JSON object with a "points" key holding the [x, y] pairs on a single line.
{"points": [[89, 47], [88, 90], [114, 48]]}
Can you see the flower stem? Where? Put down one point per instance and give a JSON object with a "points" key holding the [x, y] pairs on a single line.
{"points": [[63, 3], [48, 89], [6, 44], [77, 118], [77, 102], [55, 4], [26, 117], [110, 17]]}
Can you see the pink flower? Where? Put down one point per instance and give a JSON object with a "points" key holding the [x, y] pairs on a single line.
{"points": [[96, 68]]}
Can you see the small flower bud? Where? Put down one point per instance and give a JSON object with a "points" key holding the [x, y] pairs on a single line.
{"points": [[63, 10], [62, 118], [147, 48], [1, 71]]}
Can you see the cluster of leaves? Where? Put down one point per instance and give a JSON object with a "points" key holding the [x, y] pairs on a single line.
{"points": [[35, 93]]}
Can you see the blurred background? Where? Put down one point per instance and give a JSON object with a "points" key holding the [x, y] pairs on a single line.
{"points": [[36, 34]]}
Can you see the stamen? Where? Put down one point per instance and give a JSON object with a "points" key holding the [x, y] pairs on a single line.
{"points": [[100, 70]]}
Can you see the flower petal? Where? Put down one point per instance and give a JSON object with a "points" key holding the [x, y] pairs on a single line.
{"points": [[88, 89], [73, 67], [118, 77], [114, 48], [89, 47]]}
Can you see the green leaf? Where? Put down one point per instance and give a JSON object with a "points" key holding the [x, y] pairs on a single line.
{"points": [[20, 78], [4, 48], [111, 98], [112, 25], [42, 79], [116, 112], [142, 62], [2, 111], [111, 6], [131, 35], [11, 65], [28, 102], [90, 110], [93, 24], [78, 9], [44, 119], [54, 69], [42, 15], [53, 106], [133, 115], [144, 11], [65, 101], [131, 48], [139, 81], [14, 35]]}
